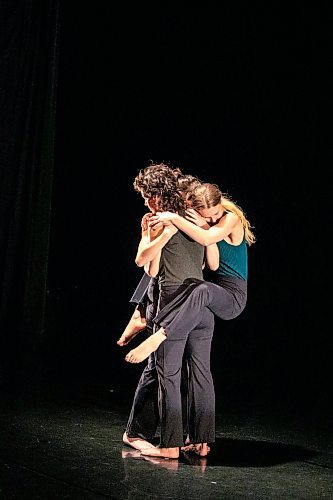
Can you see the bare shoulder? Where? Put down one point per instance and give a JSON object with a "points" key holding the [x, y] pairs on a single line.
{"points": [[236, 235], [229, 219]]}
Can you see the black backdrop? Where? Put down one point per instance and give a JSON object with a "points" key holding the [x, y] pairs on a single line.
{"points": [[236, 97], [28, 89]]}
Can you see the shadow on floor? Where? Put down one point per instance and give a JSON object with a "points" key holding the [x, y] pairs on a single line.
{"points": [[250, 453]]}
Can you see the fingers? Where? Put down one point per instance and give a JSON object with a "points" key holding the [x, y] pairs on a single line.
{"points": [[191, 211], [157, 225], [144, 221], [190, 218]]}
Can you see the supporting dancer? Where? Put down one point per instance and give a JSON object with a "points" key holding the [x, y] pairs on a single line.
{"points": [[176, 260], [137, 322], [227, 226]]}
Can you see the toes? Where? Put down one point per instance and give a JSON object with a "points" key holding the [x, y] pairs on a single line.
{"points": [[121, 341], [130, 358]]}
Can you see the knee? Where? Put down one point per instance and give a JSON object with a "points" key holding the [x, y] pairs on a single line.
{"points": [[202, 292]]}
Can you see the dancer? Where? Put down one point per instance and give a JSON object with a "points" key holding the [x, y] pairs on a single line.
{"points": [[137, 322], [144, 417], [227, 226], [175, 259]]}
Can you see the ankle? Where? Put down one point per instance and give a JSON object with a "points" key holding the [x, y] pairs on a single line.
{"points": [[157, 338]]}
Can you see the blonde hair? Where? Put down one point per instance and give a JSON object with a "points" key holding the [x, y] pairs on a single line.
{"points": [[209, 195]]}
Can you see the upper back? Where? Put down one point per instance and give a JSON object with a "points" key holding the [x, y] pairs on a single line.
{"points": [[181, 259]]}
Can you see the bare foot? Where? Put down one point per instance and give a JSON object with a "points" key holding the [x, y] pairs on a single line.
{"points": [[161, 452], [146, 347], [200, 449], [187, 448], [136, 324], [136, 443]]}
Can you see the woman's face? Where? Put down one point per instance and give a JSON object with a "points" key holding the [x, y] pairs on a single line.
{"points": [[212, 215], [151, 202]]}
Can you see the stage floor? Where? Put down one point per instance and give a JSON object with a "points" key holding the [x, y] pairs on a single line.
{"points": [[53, 447]]}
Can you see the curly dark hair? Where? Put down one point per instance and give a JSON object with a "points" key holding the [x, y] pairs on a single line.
{"points": [[160, 180], [187, 182]]}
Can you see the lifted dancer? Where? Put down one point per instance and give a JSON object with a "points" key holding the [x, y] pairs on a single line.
{"points": [[227, 226]]}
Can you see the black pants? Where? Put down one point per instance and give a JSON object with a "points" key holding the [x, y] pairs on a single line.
{"points": [[226, 300], [169, 368], [144, 417], [140, 293]]}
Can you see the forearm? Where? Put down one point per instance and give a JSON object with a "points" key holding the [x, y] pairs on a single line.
{"points": [[203, 236], [148, 250], [212, 255]]}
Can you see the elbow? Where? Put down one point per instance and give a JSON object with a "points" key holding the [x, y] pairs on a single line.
{"points": [[139, 261], [152, 271], [212, 266], [205, 242]]}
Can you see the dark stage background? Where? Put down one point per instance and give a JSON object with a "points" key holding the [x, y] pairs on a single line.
{"points": [[236, 97]]}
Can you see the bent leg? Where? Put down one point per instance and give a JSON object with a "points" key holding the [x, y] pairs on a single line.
{"points": [[174, 319], [136, 324]]}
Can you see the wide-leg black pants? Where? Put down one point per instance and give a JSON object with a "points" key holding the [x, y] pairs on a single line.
{"points": [[200, 388], [201, 396], [144, 417]]}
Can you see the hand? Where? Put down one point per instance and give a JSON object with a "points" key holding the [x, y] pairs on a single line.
{"points": [[159, 228], [144, 221], [193, 216], [162, 217]]}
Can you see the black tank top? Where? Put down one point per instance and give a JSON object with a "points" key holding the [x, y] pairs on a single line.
{"points": [[181, 259]]}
